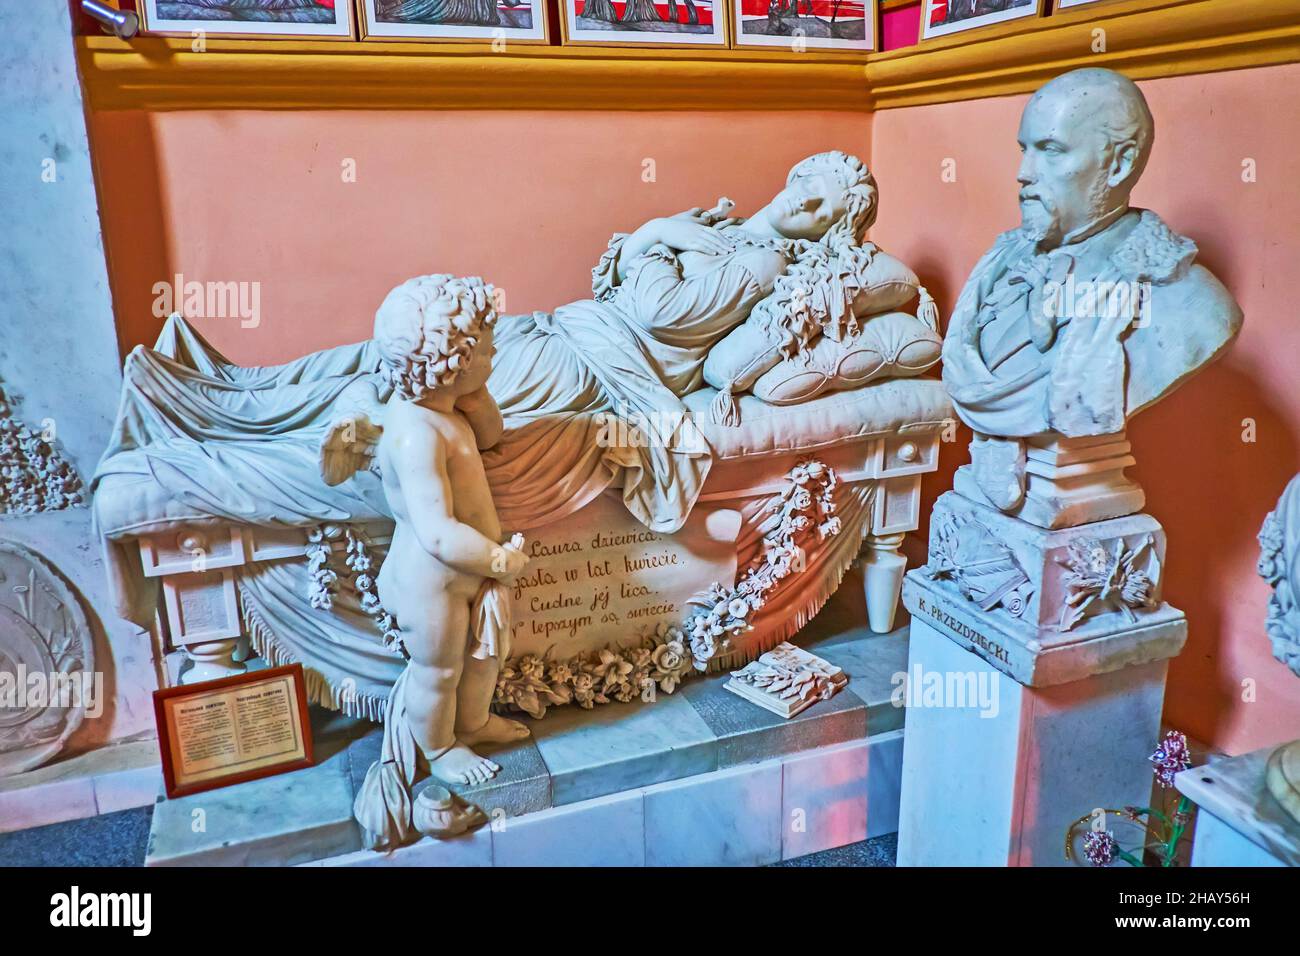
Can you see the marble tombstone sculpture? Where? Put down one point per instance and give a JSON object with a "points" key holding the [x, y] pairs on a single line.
{"points": [[739, 402], [1040, 567], [1279, 565]]}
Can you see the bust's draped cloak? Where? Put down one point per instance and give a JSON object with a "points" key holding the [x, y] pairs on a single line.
{"points": [[1013, 373]]}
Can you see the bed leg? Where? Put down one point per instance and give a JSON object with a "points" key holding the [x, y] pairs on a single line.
{"points": [[212, 660], [882, 574]]}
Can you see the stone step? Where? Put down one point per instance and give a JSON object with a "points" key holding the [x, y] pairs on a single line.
{"points": [[699, 740]]}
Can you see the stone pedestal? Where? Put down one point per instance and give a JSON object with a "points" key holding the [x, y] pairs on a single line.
{"points": [[1070, 481], [1036, 680]]}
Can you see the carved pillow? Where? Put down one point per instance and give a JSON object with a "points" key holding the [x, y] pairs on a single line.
{"points": [[736, 362], [888, 285], [894, 345], [754, 347]]}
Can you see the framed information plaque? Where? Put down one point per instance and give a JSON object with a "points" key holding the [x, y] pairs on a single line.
{"points": [[222, 732]]}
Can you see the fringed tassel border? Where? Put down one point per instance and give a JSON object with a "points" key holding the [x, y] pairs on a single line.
{"points": [[319, 689]]}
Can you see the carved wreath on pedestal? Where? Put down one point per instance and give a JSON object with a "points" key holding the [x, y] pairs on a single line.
{"points": [[43, 634], [1122, 577]]}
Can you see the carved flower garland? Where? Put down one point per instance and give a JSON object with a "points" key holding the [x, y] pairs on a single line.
{"points": [[663, 657], [359, 566], [666, 656], [34, 477]]}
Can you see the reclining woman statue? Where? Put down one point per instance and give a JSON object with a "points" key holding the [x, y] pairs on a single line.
{"points": [[663, 297]]}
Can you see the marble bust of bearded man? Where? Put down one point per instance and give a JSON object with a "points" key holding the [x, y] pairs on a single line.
{"points": [[1092, 310]]}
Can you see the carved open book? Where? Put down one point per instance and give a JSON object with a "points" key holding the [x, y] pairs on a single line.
{"points": [[787, 680]]}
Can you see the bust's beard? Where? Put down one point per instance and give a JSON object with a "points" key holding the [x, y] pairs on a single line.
{"points": [[1040, 220], [1040, 223]]}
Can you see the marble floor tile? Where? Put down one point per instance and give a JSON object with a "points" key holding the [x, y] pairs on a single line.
{"points": [[469, 849], [824, 800], [732, 818], [607, 831], [52, 802], [618, 747], [871, 661], [286, 819], [522, 785], [748, 733]]}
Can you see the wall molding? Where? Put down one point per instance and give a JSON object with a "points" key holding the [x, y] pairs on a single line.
{"points": [[1144, 39], [157, 73]]}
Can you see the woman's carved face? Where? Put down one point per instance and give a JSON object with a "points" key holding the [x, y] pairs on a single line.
{"points": [[807, 208]]}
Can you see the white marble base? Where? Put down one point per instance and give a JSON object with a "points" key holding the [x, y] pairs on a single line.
{"points": [[1002, 789], [117, 777], [742, 816], [1238, 822], [1070, 481]]}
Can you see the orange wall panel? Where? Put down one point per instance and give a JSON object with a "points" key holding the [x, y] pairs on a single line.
{"points": [[1207, 486]]}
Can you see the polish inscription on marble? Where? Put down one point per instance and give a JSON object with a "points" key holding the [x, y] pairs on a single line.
{"points": [[601, 576]]}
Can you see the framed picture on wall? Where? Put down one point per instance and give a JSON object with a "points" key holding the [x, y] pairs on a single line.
{"points": [[806, 24], [941, 17], [515, 21], [268, 19], [645, 22]]}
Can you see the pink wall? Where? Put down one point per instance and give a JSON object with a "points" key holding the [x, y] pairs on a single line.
{"points": [[1209, 487], [527, 200]]}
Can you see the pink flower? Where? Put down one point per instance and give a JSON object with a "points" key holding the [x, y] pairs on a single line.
{"points": [[1100, 848], [1170, 758]]}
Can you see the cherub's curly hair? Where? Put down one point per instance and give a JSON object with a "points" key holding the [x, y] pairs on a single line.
{"points": [[427, 329]]}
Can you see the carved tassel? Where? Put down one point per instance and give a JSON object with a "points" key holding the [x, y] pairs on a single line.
{"points": [[927, 311], [725, 410]]}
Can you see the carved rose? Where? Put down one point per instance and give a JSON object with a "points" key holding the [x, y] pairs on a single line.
{"points": [[671, 663], [584, 690], [532, 667]]}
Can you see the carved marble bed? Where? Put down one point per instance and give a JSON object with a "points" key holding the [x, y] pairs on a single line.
{"points": [[694, 456], [205, 583]]}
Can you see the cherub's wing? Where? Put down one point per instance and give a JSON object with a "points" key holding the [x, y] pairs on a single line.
{"points": [[352, 437]]}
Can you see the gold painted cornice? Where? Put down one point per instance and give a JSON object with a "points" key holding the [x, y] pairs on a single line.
{"points": [[156, 73], [1144, 39]]}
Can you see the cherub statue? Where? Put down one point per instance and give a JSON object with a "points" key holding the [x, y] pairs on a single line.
{"points": [[443, 581]]}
